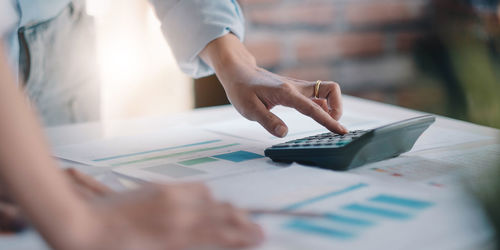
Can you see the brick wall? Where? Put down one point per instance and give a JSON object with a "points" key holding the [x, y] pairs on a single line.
{"points": [[365, 45]]}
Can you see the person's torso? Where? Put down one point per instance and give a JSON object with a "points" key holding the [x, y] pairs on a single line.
{"points": [[34, 11], [27, 12]]}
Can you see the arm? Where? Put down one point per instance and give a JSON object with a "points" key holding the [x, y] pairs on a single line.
{"points": [[152, 217], [28, 172], [206, 36]]}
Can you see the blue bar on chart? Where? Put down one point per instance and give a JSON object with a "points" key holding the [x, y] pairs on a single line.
{"points": [[310, 227], [361, 216], [403, 202], [348, 220], [238, 156], [382, 212]]}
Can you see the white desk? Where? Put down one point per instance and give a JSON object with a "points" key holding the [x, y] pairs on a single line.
{"points": [[80, 133]]}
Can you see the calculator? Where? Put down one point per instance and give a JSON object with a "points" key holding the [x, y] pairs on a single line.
{"points": [[354, 149]]}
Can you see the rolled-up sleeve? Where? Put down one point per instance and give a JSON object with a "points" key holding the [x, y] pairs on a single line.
{"points": [[189, 25]]}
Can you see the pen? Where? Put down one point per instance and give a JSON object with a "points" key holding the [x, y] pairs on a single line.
{"points": [[285, 213]]}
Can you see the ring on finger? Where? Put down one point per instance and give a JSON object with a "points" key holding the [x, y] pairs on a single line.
{"points": [[316, 89]]}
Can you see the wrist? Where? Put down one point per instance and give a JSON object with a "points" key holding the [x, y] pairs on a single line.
{"points": [[227, 53]]}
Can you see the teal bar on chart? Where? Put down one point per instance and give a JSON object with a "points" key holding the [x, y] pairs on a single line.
{"points": [[403, 202], [313, 228], [238, 156], [349, 220], [381, 212]]}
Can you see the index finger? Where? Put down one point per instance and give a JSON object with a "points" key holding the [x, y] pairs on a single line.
{"points": [[307, 107]]}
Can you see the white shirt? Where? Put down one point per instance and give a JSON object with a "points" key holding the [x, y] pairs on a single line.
{"points": [[9, 20], [188, 25], [8, 16]]}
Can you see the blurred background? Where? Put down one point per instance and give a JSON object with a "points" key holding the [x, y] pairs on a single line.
{"points": [[439, 56], [138, 71]]}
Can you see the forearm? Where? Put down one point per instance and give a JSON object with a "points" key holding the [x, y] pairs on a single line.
{"points": [[29, 173], [227, 51]]}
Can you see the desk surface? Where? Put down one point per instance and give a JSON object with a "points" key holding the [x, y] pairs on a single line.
{"points": [[80, 133]]}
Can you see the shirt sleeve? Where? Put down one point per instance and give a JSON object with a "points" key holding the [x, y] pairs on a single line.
{"points": [[189, 25], [8, 17]]}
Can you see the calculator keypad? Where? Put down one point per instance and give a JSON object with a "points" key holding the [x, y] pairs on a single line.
{"points": [[328, 140]]}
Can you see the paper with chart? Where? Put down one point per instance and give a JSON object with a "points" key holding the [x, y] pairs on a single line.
{"points": [[111, 151], [439, 167], [182, 155], [360, 213], [190, 152], [213, 159]]}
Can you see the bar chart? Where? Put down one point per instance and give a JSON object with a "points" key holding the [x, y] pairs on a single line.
{"points": [[194, 161], [351, 220]]}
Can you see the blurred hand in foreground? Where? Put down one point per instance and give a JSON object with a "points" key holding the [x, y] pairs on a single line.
{"points": [[152, 217], [170, 217]]}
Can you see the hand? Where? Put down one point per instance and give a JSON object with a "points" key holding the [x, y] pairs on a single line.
{"points": [[11, 217], [169, 217], [254, 91], [152, 217]]}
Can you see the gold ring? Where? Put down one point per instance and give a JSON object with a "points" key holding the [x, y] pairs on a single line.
{"points": [[316, 89]]}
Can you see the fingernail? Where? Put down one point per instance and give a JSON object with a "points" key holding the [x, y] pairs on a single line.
{"points": [[280, 130], [344, 130]]}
